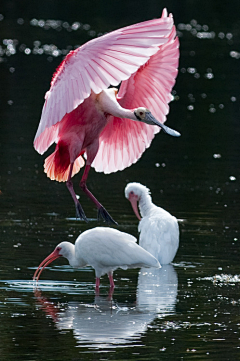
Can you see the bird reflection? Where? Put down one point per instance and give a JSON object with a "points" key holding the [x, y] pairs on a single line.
{"points": [[105, 322], [48, 307], [157, 289]]}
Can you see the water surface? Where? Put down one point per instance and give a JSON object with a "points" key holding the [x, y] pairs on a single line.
{"points": [[188, 310]]}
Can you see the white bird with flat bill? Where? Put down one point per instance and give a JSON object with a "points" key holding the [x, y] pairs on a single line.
{"points": [[105, 250], [159, 231]]}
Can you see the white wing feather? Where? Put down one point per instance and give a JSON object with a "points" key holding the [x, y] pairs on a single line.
{"points": [[106, 249]]}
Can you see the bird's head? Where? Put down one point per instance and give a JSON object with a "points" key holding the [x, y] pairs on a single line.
{"points": [[63, 249], [144, 115], [134, 192]]}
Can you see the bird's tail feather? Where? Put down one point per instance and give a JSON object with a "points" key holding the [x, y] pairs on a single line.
{"points": [[57, 164]]}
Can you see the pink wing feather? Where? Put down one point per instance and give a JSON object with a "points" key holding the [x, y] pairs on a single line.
{"points": [[95, 66], [123, 141]]}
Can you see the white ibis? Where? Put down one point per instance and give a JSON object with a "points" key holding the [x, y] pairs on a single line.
{"points": [[104, 249], [159, 231]]}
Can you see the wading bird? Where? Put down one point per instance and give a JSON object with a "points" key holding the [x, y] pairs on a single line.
{"points": [[112, 129], [104, 249], [159, 231]]}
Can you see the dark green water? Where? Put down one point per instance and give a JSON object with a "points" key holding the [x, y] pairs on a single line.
{"points": [[193, 312]]}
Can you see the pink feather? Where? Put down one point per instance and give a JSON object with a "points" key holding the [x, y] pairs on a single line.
{"points": [[83, 116]]}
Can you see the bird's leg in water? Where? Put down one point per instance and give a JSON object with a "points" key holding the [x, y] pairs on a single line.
{"points": [[97, 285], [102, 212], [112, 285], [79, 210], [110, 276]]}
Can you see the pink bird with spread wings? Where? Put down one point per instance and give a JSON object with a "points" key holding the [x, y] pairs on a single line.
{"points": [[85, 115]]}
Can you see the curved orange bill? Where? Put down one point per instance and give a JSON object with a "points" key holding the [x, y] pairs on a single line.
{"points": [[133, 202], [49, 259]]}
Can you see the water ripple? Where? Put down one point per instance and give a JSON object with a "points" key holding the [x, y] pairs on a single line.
{"points": [[222, 279], [72, 287]]}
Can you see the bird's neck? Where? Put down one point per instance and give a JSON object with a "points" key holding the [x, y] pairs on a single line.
{"points": [[108, 104], [125, 113], [145, 204], [71, 255]]}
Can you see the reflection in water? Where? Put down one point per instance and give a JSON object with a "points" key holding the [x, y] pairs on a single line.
{"points": [[157, 289], [49, 307], [105, 322], [197, 178]]}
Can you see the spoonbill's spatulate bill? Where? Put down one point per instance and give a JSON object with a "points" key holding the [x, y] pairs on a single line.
{"points": [[104, 249], [112, 129], [159, 231]]}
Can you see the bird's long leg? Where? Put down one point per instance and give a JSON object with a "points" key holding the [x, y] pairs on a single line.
{"points": [[102, 212], [112, 285], [79, 210], [97, 284], [110, 276]]}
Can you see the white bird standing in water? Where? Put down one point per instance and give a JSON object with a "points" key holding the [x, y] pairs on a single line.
{"points": [[159, 231], [104, 249]]}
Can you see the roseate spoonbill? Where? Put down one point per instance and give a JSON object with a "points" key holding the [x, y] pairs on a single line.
{"points": [[159, 231], [104, 249], [84, 116]]}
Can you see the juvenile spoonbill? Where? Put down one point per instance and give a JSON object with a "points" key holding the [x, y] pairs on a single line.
{"points": [[104, 249], [112, 129], [159, 231]]}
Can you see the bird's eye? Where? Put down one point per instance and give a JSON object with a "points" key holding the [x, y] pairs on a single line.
{"points": [[58, 249], [141, 113], [131, 192]]}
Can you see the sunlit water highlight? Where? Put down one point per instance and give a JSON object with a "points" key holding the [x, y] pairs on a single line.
{"points": [[189, 312]]}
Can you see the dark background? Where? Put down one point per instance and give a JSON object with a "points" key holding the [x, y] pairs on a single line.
{"points": [[195, 177]]}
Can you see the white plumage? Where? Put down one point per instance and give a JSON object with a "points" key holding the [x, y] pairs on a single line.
{"points": [[157, 290], [159, 231], [108, 322], [104, 249]]}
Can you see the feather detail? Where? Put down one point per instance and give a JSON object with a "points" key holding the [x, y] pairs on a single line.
{"points": [[57, 164], [104, 61], [150, 87]]}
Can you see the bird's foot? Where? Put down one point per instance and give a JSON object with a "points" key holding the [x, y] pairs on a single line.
{"points": [[103, 214], [80, 212]]}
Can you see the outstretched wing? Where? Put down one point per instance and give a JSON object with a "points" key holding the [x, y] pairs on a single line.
{"points": [[123, 141], [95, 66]]}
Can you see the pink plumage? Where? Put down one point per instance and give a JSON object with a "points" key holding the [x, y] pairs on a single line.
{"points": [[84, 116]]}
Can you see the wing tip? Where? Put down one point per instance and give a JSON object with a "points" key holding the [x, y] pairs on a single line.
{"points": [[164, 13]]}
